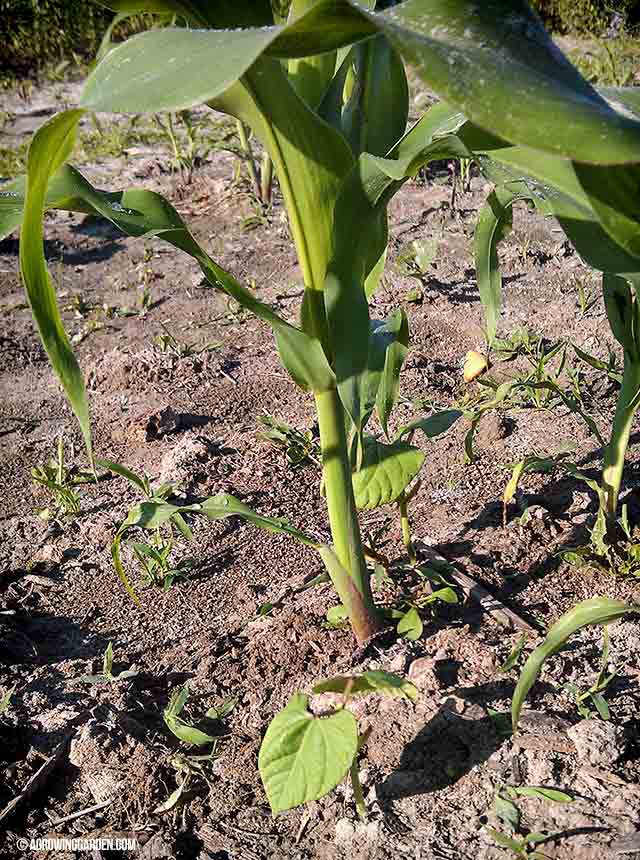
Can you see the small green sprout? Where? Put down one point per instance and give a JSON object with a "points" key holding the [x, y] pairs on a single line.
{"points": [[592, 701], [107, 676], [61, 482], [184, 731], [300, 446], [5, 700]]}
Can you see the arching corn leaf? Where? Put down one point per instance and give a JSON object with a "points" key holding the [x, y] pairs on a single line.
{"points": [[152, 514], [494, 223], [145, 213], [49, 148], [597, 610]]}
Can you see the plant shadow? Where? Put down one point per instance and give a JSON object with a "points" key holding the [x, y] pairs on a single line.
{"points": [[445, 749]]}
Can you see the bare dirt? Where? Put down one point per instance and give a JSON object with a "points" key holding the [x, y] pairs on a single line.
{"points": [[430, 771]]}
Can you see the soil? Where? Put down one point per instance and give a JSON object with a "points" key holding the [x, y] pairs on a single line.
{"points": [[431, 770]]}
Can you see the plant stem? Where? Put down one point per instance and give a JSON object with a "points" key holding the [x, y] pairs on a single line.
{"points": [[616, 450], [358, 794], [343, 516], [266, 179], [406, 528], [245, 146]]}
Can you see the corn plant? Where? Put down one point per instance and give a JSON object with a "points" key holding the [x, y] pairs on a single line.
{"points": [[326, 95], [593, 612], [107, 676], [592, 700], [60, 482], [595, 208]]}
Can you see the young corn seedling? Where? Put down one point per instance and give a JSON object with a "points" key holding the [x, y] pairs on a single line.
{"points": [[304, 756], [595, 611], [505, 808], [107, 676], [61, 482], [326, 95], [5, 700], [189, 768], [592, 700]]}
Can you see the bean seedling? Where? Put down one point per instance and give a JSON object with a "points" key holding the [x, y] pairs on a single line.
{"points": [[304, 756]]}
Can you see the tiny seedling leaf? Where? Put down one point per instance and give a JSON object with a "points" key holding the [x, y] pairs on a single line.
{"points": [[177, 726], [303, 757], [514, 656], [504, 841], [410, 625], [506, 810], [5, 700], [552, 794], [223, 710], [338, 616], [172, 800], [373, 681], [107, 662]]}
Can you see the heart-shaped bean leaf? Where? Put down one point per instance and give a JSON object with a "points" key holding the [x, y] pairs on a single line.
{"points": [[303, 757], [386, 471]]}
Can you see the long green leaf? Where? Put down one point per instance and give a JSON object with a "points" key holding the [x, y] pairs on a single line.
{"points": [[395, 355], [494, 61], [49, 148], [494, 223], [145, 213], [153, 514], [310, 76], [597, 610]]}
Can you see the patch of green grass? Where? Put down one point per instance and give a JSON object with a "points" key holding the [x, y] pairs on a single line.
{"points": [[611, 62], [13, 160]]}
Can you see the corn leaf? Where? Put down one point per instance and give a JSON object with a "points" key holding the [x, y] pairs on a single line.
{"points": [[49, 148], [597, 610], [494, 223], [145, 213], [494, 61]]}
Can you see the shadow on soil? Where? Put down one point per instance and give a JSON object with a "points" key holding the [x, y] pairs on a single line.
{"points": [[444, 750], [557, 497], [55, 251]]}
